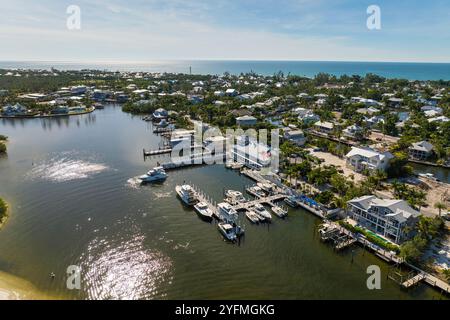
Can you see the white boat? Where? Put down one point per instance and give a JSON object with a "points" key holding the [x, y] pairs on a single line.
{"points": [[227, 213], [428, 176], [267, 187], [154, 175], [279, 211], [235, 196], [227, 230], [187, 194], [203, 211], [237, 166], [252, 216], [256, 191], [260, 210], [229, 164]]}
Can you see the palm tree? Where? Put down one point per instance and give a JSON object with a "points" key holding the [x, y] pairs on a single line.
{"points": [[440, 206]]}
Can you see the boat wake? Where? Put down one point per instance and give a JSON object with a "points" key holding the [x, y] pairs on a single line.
{"points": [[133, 183], [64, 168]]}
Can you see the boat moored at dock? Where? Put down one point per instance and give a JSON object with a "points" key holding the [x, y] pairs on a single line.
{"points": [[227, 213], [252, 217], [203, 211], [280, 212], [261, 211], [256, 191], [235, 196], [227, 231], [187, 194]]}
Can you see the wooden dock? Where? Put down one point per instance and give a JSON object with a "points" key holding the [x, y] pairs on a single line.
{"points": [[413, 281], [264, 200], [149, 153]]}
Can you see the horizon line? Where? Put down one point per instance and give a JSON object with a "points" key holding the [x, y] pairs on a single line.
{"points": [[216, 60]]}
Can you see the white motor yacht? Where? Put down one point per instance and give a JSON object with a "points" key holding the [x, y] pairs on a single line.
{"points": [[154, 175], [279, 211], [187, 194], [203, 211], [227, 212], [260, 210], [228, 231]]}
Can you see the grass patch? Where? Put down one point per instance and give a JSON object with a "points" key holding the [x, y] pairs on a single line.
{"points": [[372, 237]]}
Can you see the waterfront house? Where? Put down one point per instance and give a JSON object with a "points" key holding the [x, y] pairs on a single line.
{"points": [[420, 150], [246, 121], [100, 95], [160, 114], [360, 159], [78, 90], [392, 219], [121, 97], [15, 110], [324, 127], [295, 136], [252, 154], [60, 110]]}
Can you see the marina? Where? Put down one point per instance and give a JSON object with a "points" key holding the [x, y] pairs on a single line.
{"points": [[150, 226]]}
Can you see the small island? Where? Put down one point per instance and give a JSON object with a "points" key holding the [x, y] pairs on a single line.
{"points": [[3, 212], [3, 139]]}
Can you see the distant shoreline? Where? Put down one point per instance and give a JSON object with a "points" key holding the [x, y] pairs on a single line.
{"points": [[420, 71], [49, 115]]}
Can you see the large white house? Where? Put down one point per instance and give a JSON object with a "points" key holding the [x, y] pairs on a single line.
{"points": [[420, 150], [392, 219], [360, 159], [252, 154]]}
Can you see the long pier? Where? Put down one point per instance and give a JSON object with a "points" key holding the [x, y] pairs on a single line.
{"points": [[149, 153]]}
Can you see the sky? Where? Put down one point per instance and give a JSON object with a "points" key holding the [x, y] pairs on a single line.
{"points": [[146, 30]]}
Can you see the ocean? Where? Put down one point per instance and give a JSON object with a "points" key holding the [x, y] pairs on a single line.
{"points": [[410, 71]]}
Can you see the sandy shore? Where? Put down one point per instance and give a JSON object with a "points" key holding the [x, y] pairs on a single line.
{"points": [[14, 288]]}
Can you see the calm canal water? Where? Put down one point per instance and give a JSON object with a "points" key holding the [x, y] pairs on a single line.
{"points": [[75, 201]]}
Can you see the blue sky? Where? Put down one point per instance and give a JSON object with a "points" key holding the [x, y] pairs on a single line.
{"points": [[146, 30]]}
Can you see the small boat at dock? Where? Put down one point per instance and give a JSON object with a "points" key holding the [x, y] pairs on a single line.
{"points": [[261, 211], [227, 231], [279, 212], [98, 106], [203, 211], [252, 217], [235, 196], [256, 191], [237, 166]]}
